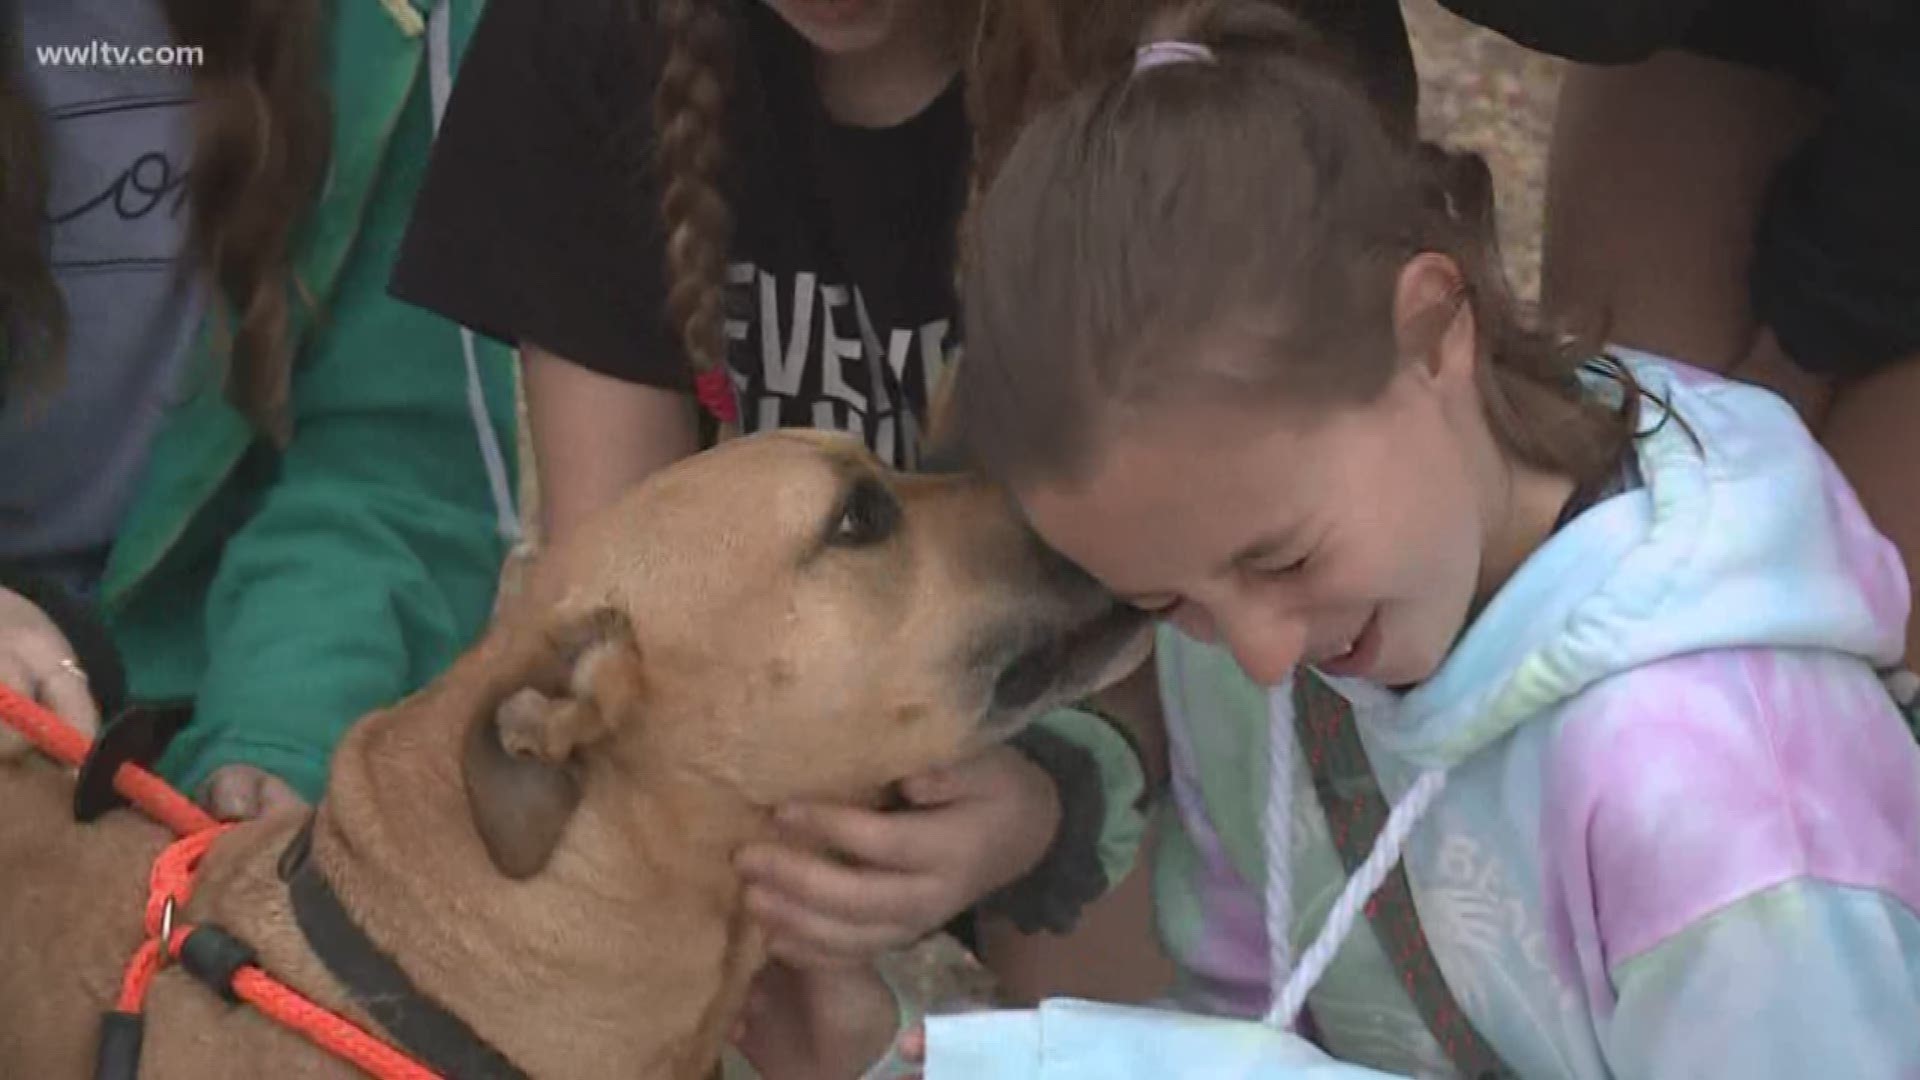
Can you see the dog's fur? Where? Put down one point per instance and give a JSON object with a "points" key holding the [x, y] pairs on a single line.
{"points": [[542, 838]]}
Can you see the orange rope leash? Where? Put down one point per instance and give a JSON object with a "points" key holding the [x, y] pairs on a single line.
{"points": [[58, 740], [170, 886], [325, 1029]]}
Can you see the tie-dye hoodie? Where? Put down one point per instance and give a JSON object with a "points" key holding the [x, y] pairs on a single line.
{"points": [[1679, 834]]}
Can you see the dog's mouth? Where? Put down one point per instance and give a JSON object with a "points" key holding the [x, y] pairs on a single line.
{"points": [[1066, 664]]}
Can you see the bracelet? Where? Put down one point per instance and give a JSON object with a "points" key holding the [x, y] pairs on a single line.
{"points": [[1069, 875], [1148, 789]]}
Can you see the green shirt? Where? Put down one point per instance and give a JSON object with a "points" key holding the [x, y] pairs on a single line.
{"points": [[287, 593]]}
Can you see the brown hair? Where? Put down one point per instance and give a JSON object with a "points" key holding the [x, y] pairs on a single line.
{"points": [[1256, 195], [262, 140]]}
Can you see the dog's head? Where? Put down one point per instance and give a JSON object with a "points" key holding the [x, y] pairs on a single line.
{"points": [[784, 617]]}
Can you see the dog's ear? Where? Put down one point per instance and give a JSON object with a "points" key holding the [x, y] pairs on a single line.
{"points": [[522, 756]]}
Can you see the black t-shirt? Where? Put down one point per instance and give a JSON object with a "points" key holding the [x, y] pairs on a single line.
{"points": [[538, 220]]}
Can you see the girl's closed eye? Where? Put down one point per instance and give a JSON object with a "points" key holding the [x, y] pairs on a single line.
{"points": [[1282, 554], [1285, 566]]}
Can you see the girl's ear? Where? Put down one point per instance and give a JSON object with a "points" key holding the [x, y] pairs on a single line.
{"points": [[1433, 324]]}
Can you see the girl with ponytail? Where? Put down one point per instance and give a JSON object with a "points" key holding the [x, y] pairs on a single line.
{"points": [[1527, 702]]}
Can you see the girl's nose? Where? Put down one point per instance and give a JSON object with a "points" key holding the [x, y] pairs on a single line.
{"points": [[1266, 644]]}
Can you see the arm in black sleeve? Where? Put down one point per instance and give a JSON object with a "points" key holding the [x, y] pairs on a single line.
{"points": [[1834, 273], [1373, 33], [1587, 31], [536, 222]]}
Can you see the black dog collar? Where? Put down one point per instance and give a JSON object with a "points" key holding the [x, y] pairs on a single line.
{"points": [[420, 1025]]}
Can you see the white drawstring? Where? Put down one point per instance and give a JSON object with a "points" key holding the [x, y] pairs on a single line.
{"points": [[439, 88], [1293, 986]]}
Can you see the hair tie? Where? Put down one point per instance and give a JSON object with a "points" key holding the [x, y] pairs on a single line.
{"points": [[715, 391], [1156, 53]]}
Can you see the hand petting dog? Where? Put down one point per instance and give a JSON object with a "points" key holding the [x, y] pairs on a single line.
{"points": [[851, 883]]}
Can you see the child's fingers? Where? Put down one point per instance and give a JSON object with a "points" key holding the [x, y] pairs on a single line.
{"points": [[243, 792], [232, 794], [836, 940], [277, 794], [984, 776], [844, 892], [798, 954], [878, 839], [68, 695]]}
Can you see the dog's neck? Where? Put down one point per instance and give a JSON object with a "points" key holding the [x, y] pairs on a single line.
{"points": [[632, 945]]}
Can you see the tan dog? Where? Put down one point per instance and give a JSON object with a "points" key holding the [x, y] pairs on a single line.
{"points": [[542, 838]]}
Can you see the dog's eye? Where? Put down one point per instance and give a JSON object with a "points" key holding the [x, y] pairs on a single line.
{"points": [[867, 516]]}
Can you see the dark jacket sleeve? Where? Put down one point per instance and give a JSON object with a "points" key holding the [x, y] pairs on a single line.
{"points": [[536, 222], [1834, 271], [1374, 35]]}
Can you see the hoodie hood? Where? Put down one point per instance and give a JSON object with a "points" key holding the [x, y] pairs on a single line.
{"points": [[1743, 534]]}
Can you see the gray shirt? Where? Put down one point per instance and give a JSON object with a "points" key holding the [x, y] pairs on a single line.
{"points": [[119, 139]]}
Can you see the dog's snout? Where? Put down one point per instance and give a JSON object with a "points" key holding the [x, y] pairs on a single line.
{"points": [[1062, 658], [1001, 550], [1064, 578]]}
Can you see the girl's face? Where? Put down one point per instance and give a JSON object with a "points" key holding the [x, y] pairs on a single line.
{"points": [[1352, 543], [841, 27], [1356, 540]]}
